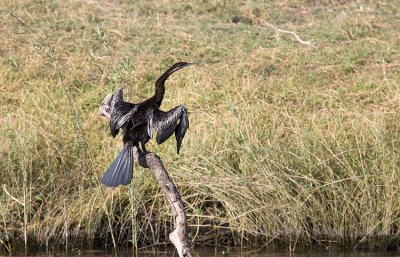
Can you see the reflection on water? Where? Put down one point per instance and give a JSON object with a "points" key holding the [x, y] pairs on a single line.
{"points": [[216, 252], [237, 252]]}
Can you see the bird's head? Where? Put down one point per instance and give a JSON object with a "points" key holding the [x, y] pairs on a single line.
{"points": [[105, 107], [180, 65]]}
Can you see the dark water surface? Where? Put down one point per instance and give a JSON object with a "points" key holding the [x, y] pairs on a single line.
{"points": [[216, 252]]}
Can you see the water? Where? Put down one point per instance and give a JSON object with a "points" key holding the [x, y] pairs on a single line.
{"points": [[217, 252], [237, 252]]}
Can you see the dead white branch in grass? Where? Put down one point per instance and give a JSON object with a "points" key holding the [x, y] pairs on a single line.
{"points": [[12, 197], [294, 34]]}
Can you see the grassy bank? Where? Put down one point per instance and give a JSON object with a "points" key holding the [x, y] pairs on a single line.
{"points": [[289, 144]]}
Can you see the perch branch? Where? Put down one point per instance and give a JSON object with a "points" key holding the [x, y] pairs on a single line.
{"points": [[179, 237]]}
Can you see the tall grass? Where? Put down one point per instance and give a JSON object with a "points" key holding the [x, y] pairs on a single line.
{"points": [[288, 145]]}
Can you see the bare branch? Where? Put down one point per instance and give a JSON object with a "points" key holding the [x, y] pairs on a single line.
{"points": [[179, 237], [12, 197], [294, 34]]}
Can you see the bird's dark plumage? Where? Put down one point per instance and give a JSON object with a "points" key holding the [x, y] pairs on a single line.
{"points": [[138, 123], [120, 112], [121, 170], [166, 123], [160, 87]]}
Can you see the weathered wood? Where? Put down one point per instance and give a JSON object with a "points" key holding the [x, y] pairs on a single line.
{"points": [[179, 237]]}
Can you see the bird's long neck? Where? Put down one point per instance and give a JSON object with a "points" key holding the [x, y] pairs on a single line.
{"points": [[160, 87]]}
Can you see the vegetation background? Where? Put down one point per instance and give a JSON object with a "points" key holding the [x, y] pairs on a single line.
{"points": [[290, 144]]}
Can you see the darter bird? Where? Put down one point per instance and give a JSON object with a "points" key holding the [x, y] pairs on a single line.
{"points": [[138, 122]]}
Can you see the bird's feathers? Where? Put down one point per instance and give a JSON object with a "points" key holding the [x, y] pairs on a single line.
{"points": [[121, 170], [139, 122], [163, 135], [165, 123], [181, 131], [121, 112]]}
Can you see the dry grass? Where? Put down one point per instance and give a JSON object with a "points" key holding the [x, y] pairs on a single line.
{"points": [[288, 145]]}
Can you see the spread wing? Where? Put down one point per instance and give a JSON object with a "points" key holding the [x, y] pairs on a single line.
{"points": [[166, 123], [120, 112], [120, 115]]}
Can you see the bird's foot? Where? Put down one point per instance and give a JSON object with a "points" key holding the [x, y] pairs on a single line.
{"points": [[142, 156], [144, 150]]}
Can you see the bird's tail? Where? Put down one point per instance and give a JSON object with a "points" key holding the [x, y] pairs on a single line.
{"points": [[121, 170]]}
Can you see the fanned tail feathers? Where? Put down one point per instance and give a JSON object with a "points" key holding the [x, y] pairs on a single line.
{"points": [[121, 170]]}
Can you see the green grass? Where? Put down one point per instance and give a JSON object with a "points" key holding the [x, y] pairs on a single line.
{"points": [[288, 145]]}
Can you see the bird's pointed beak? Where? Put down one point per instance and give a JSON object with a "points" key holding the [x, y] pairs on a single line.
{"points": [[183, 66], [193, 63]]}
